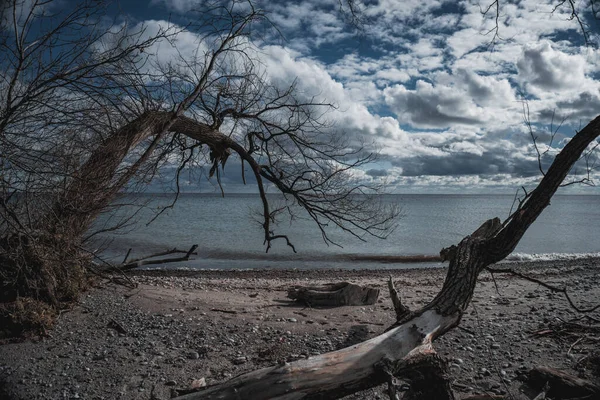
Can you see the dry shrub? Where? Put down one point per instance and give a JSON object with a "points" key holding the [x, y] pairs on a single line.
{"points": [[25, 316], [38, 275], [44, 268]]}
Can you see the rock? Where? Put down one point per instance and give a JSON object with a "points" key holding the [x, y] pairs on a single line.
{"points": [[193, 355], [454, 365], [171, 383], [198, 383], [240, 360]]}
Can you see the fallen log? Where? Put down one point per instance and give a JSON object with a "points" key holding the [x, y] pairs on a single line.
{"points": [[126, 266], [334, 295], [562, 385]]}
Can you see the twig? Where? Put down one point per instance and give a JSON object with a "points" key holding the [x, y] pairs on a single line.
{"points": [[462, 328], [126, 256], [223, 311], [574, 344], [116, 326], [552, 288]]}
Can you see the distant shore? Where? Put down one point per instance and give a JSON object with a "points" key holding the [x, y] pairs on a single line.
{"points": [[181, 328]]}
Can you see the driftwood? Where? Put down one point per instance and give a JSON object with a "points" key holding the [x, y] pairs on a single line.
{"points": [[147, 260], [336, 374], [561, 385], [334, 295]]}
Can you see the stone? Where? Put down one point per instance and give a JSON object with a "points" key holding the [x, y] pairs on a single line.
{"points": [[198, 383], [240, 360]]}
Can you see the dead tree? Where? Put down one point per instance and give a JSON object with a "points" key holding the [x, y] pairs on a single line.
{"points": [[104, 115], [373, 362]]}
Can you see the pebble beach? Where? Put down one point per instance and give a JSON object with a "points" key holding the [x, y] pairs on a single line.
{"points": [[179, 330]]}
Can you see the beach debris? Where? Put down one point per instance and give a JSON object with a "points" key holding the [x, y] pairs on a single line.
{"points": [[223, 310], [112, 324], [151, 259], [561, 385], [334, 295]]}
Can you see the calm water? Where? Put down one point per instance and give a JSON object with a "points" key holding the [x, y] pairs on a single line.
{"points": [[229, 236]]}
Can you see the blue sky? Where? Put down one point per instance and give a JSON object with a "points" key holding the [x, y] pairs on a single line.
{"points": [[422, 84]]}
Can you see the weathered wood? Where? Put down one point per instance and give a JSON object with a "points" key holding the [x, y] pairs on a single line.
{"points": [[401, 310], [339, 373], [334, 295], [147, 261], [562, 385]]}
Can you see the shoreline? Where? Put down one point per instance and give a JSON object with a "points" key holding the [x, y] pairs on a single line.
{"points": [[323, 272], [185, 328]]}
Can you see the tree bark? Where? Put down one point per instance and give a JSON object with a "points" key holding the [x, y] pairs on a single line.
{"points": [[102, 176], [339, 373]]}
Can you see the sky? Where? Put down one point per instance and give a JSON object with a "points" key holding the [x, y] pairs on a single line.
{"points": [[430, 85]]}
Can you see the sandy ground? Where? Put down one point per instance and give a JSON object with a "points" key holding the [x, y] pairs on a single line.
{"points": [[182, 329]]}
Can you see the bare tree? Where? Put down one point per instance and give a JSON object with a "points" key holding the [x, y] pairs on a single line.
{"points": [[89, 110]]}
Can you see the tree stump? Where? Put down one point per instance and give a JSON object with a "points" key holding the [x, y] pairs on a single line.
{"points": [[334, 295]]}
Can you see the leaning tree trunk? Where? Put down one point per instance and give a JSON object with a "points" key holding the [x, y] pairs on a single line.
{"points": [[48, 265], [102, 176], [370, 363]]}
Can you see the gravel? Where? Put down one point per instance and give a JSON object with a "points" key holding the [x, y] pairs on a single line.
{"points": [[180, 330]]}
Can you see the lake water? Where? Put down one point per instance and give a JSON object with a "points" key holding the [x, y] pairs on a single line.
{"points": [[228, 235]]}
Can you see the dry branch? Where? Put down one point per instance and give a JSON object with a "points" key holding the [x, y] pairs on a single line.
{"points": [[562, 385], [548, 286], [147, 260]]}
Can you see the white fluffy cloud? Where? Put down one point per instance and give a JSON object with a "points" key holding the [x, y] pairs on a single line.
{"points": [[542, 69], [425, 84], [463, 98]]}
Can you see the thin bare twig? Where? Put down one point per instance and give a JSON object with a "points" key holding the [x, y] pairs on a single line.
{"points": [[552, 288]]}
